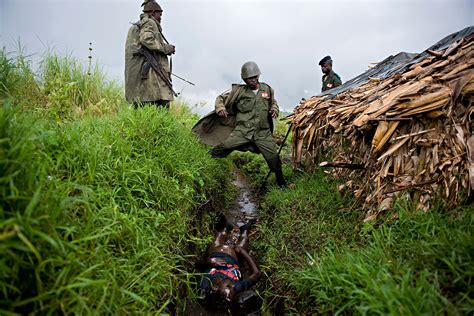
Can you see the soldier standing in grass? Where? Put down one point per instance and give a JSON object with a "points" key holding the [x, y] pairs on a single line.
{"points": [[254, 107], [147, 69], [330, 78]]}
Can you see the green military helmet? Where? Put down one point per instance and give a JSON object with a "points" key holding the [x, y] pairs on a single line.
{"points": [[150, 6], [250, 69]]}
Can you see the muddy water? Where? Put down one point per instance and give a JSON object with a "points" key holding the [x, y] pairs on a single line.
{"points": [[243, 210], [245, 206]]}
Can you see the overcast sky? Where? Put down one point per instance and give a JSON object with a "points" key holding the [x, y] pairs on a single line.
{"points": [[214, 38]]}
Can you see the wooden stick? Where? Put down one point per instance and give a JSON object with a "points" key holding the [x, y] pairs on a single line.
{"points": [[410, 186], [391, 119], [341, 165], [413, 134], [435, 53]]}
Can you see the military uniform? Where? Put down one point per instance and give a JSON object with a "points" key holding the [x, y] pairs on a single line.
{"points": [[331, 80], [253, 124], [146, 32]]}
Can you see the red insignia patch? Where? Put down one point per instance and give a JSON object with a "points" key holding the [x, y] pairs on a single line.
{"points": [[329, 85], [265, 95]]}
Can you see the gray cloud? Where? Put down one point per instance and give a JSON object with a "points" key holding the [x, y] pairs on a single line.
{"points": [[213, 38]]}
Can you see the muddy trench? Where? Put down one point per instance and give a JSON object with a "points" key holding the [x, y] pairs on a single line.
{"points": [[243, 210]]}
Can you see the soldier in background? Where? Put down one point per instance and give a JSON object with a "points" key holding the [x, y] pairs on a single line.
{"points": [[143, 84], [254, 106], [330, 78]]}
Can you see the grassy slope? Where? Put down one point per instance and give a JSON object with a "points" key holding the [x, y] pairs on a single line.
{"points": [[318, 256], [98, 201]]}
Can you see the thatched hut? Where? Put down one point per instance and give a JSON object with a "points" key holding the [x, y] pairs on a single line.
{"points": [[403, 126]]}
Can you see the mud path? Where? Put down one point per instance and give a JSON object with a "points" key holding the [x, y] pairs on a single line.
{"points": [[245, 206]]}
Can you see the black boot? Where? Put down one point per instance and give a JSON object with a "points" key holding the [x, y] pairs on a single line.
{"points": [[279, 178]]}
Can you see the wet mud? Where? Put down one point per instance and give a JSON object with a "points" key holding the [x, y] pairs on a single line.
{"points": [[245, 206]]}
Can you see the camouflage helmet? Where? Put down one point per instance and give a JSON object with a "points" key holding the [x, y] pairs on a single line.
{"points": [[150, 6], [250, 69]]}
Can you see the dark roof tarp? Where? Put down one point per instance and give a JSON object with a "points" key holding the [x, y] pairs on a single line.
{"points": [[399, 63]]}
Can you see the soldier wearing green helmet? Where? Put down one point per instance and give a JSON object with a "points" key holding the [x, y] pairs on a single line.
{"points": [[254, 106], [142, 84]]}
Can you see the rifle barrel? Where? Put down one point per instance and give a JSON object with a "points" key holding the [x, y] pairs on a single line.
{"points": [[183, 79]]}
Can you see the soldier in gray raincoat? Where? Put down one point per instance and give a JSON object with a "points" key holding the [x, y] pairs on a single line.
{"points": [[243, 121], [143, 84]]}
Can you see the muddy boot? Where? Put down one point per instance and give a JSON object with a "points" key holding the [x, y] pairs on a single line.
{"points": [[279, 178]]}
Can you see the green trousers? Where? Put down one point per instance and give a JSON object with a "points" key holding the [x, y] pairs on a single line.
{"points": [[237, 141]]}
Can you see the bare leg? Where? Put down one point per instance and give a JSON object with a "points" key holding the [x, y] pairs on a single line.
{"points": [[243, 241], [220, 238]]}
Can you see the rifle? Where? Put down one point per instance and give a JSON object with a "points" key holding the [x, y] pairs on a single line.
{"points": [[152, 63]]}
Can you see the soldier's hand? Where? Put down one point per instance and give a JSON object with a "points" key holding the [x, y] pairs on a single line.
{"points": [[173, 49], [222, 113], [274, 114]]}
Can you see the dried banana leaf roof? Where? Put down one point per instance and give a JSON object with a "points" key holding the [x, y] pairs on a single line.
{"points": [[404, 125]]}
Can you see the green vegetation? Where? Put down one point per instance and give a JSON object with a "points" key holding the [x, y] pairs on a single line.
{"points": [[103, 209], [414, 265], [63, 90], [98, 202]]}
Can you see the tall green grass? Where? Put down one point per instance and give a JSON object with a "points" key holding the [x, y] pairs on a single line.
{"points": [[72, 90], [98, 213], [63, 88], [17, 79], [419, 264]]}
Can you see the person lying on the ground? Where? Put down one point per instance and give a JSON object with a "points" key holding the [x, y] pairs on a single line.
{"points": [[222, 285]]}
